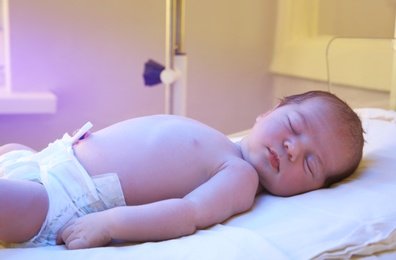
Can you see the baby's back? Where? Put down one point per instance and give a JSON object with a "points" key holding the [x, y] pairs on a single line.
{"points": [[157, 157]]}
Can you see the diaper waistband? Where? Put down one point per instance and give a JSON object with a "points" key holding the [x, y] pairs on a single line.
{"points": [[62, 150], [66, 142]]}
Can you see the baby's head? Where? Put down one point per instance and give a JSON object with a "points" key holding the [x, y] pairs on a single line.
{"points": [[308, 141]]}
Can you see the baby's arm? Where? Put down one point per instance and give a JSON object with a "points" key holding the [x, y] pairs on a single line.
{"points": [[230, 191]]}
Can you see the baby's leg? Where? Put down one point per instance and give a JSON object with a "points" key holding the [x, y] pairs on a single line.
{"points": [[23, 209], [11, 147]]}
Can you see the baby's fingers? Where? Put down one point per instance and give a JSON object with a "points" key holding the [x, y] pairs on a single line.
{"points": [[78, 243], [65, 232]]}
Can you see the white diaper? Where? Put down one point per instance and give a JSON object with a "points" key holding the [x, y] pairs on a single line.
{"points": [[72, 192]]}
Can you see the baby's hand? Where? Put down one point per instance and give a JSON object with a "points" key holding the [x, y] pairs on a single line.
{"points": [[85, 232]]}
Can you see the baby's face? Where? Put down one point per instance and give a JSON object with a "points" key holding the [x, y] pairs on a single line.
{"points": [[294, 148]]}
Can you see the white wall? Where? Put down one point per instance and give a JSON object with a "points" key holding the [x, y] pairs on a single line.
{"points": [[91, 53], [229, 44], [355, 97], [362, 68]]}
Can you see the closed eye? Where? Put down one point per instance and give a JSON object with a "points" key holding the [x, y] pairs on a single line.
{"points": [[310, 165], [291, 126]]}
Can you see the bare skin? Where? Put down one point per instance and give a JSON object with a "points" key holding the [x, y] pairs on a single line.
{"points": [[24, 204], [196, 178], [180, 150]]}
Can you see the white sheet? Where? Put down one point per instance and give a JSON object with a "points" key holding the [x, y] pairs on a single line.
{"points": [[218, 242], [355, 217]]}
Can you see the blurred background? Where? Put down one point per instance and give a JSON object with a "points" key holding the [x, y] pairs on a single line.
{"points": [[242, 56]]}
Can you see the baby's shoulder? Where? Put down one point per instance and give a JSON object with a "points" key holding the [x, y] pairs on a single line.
{"points": [[238, 175], [238, 166]]}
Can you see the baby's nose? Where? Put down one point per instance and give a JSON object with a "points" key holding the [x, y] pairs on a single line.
{"points": [[293, 149]]}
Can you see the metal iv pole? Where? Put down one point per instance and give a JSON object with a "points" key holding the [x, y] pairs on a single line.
{"points": [[174, 75]]}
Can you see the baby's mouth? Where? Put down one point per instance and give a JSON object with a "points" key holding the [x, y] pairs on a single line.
{"points": [[274, 159]]}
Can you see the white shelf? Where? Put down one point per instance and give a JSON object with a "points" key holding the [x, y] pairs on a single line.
{"points": [[14, 102], [27, 103]]}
